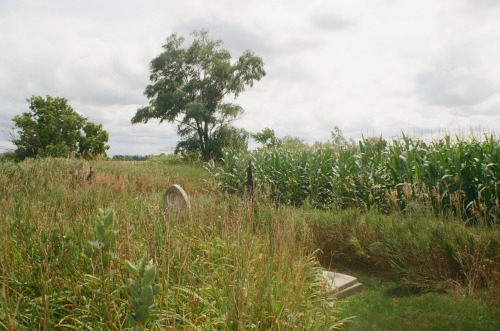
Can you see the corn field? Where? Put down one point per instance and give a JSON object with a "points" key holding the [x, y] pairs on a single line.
{"points": [[448, 175]]}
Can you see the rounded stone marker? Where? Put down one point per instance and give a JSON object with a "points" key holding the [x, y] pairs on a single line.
{"points": [[177, 201]]}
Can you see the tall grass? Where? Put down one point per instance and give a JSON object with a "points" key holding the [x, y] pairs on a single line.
{"points": [[223, 268], [423, 212], [448, 176], [419, 250]]}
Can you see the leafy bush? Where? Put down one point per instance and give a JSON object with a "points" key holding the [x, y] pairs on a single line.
{"points": [[52, 128]]}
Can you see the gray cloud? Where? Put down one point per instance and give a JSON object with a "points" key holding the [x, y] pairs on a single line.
{"points": [[457, 79], [235, 37], [454, 86], [484, 4], [331, 22], [239, 38]]}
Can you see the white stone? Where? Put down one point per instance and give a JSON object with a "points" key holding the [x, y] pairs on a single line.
{"points": [[177, 201], [341, 285]]}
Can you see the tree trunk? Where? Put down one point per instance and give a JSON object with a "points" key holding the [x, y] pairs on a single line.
{"points": [[207, 155]]}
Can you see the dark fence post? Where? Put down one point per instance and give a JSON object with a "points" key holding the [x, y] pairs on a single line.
{"points": [[250, 183]]}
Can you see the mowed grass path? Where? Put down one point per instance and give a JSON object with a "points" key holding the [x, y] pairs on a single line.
{"points": [[385, 305], [377, 310]]}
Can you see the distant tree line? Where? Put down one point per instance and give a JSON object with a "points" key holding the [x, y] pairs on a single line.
{"points": [[130, 157]]}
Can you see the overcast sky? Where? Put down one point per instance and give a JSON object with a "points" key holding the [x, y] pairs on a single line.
{"points": [[372, 67]]}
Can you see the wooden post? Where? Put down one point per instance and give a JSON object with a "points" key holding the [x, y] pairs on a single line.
{"points": [[250, 184]]}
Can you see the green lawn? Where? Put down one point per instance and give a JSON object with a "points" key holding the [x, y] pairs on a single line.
{"points": [[386, 307]]}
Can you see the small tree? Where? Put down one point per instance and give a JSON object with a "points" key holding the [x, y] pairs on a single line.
{"points": [[338, 140], [53, 128], [231, 139], [292, 143], [191, 86], [267, 138]]}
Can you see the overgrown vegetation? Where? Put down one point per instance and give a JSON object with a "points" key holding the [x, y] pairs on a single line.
{"points": [[423, 213], [459, 177], [63, 262], [420, 251]]}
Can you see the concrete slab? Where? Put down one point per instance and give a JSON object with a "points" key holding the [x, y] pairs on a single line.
{"points": [[341, 285], [348, 291]]}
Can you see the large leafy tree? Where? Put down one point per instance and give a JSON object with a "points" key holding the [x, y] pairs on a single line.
{"points": [[53, 128], [192, 87]]}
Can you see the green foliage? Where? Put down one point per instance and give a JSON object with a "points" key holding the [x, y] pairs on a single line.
{"points": [[130, 157], [291, 143], [225, 268], [93, 142], [191, 85], [382, 307], [167, 159], [102, 254], [418, 250], [338, 140], [104, 246], [267, 138], [142, 289], [53, 128], [8, 156], [227, 138], [460, 177]]}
